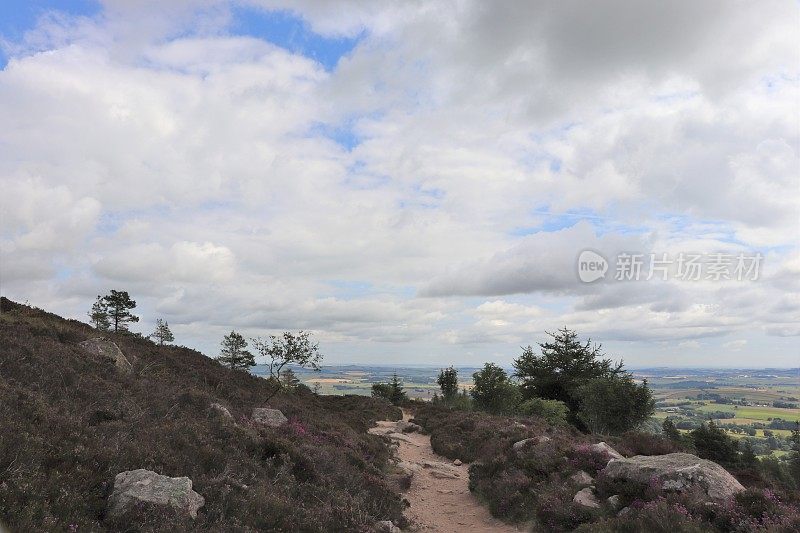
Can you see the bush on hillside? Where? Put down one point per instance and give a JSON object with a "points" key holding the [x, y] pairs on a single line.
{"points": [[554, 411]]}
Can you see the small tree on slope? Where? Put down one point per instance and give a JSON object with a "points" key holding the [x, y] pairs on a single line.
{"points": [[285, 349], [448, 382], [233, 353], [162, 333], [99, 315], [119, 306]]}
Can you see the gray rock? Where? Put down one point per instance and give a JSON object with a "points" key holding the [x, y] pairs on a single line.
{"points": [[221, 409], [603, 447], [520, 445], [586, 498], [581, 478], [143, 487], [615, 501], [386, 526], [624, 511], [410, 427], [269, 417], [457, 462], [106, 348], [676, 472]]}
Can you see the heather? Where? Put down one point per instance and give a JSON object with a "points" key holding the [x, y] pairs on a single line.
{"points": [[69, 422]]}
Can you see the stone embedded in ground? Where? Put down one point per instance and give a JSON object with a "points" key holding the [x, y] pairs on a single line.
{"points": [[386, 526], [676, 472], [615, 501], [409, 427], [221, 409], [586, 498], [269, 417], [137, 488], [603, 447], [108, 349], [443, 474], [520, 445], [581, 478], [457, 462]]}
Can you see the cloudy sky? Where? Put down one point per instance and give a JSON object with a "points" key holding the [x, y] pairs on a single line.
{"points": [[413, 181]]}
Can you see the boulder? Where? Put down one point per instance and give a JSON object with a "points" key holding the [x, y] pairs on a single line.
{"points": [[269, 417], [586, 498], [603, 447], [136, 488], [581, 478], [106, 348], [221, 409], [676, 472], [520, 445]]}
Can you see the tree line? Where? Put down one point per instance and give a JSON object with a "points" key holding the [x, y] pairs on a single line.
{"points": [[566, 381], [113, 313]]}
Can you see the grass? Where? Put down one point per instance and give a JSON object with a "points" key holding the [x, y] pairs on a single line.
{"points": [[754, 413]]}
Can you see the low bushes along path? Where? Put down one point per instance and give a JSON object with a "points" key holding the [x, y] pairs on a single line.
{"points": [[439, 494]]}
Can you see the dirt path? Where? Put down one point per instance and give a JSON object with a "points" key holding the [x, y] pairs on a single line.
{"points": [[439, 494]]}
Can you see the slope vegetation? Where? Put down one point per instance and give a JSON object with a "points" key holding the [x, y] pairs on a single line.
{"points": [[70, 421]]}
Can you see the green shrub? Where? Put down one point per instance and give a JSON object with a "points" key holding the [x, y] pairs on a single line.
{"points": [[554, 411]]}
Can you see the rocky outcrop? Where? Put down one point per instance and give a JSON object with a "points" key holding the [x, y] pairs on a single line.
{"points": [[603, 447], [676, 472], [586, 498], [106, 348], [137, 488], [273, 418]]}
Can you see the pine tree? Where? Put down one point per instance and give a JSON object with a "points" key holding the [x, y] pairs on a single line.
{"points": [[289, 379], [396, 393], [448, 382], [162, 333], [119, 306], [670, 431], [99, 315], [233, 353]]}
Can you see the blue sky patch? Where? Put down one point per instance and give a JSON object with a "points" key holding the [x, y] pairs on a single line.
{"points": [[292, 33], [20, 16]]}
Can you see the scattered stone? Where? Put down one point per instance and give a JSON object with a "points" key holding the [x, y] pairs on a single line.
{"points": [[408, 427], [581, 478], [457, 462], [520, 445], [586, 498], [676, 472], [615, 501], [386, 526], [106, 348], [603, 447], [624, 511], [143, 487], [269, 417], [221, 409], [443, 474], [443, 491]]}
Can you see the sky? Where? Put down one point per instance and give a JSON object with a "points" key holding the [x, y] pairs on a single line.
{"points": [[413, 182]]}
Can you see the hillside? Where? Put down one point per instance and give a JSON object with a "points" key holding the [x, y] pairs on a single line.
{"points": [[70, 421]]}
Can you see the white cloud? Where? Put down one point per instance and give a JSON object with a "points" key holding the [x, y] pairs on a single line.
{"points": [[148, 148]]}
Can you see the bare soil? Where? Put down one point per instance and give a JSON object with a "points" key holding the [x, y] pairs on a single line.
{"points": [[439, 495]]}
